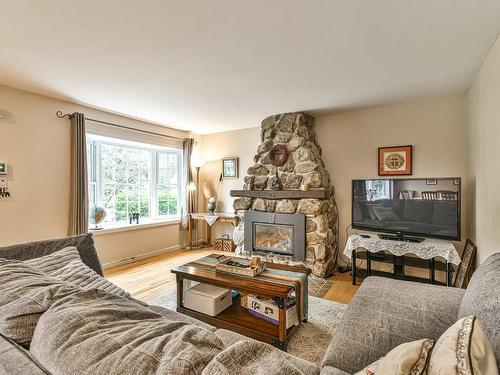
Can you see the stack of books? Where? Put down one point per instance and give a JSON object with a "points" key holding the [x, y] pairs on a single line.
{"points": [[265, 308]]}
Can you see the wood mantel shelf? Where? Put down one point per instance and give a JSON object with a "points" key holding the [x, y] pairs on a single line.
{"points": [[279, 194]]}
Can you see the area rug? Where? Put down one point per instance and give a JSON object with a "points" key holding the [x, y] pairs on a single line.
{"points": [[318, 286], [311, 339]]}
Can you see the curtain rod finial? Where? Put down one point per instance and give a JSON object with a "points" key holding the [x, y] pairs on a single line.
{"points": [[62, 115]]}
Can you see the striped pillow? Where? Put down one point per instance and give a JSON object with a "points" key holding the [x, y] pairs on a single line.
{"points": [[77, 273], [52, 262], [66, 265]]}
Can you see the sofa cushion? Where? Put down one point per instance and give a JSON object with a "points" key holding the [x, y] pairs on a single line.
{"points": [[25, 294], [83, 242], [463, 349], [66, 265], [482, 299], [175, 316], [15, 360], [229, 337], [329, 370], [254, 357], [385, 313], [54, 261], [77, 273], [118, 336]]}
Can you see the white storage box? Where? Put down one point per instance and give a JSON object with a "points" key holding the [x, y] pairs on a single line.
{"points": [[207, 299]]}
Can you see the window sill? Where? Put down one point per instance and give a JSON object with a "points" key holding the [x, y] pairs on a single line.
{"points": [[127, 227]]}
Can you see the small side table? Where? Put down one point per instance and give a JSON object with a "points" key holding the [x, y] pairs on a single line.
{"points": [[427, 249], [223, 217]]}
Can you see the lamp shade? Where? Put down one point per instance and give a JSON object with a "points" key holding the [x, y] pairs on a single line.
{"points": [[197, 160]]}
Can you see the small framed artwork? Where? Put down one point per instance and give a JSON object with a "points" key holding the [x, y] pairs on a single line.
{"points": [[230, 167], [394, 161], [431, 181]]}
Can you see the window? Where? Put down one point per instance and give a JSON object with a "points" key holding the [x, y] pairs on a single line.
{"points": [[378, 189], [128, 177]]}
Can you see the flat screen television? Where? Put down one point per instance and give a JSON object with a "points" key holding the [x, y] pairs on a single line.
{"points": [[408, 206]]}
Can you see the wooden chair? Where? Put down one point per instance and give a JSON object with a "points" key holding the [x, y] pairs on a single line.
{"points": [[466, 267], [406, 194], [447, 195], [430, 195]]}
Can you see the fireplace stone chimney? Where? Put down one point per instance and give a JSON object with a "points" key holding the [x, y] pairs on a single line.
{"points": [[289, 161]]}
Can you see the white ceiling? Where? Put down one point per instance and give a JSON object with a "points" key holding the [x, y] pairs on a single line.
{"points": [[215, 65]]}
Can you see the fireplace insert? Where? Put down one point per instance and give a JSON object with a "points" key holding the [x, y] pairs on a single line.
{"points": [[280, 234]]}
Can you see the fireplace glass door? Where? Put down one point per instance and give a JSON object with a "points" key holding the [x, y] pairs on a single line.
{"points": [[275, 238]]}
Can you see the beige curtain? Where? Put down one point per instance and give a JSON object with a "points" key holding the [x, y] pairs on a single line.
{"points": [[79, 204], [187, 178]]}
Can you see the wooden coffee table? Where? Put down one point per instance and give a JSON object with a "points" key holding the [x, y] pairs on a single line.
{"points": [[236, 318]]}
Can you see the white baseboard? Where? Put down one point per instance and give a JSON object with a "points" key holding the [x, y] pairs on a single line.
{"points": [[151, 254]]}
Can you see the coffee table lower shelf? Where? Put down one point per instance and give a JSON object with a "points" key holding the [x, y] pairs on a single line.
{"points": [[237, 319]]}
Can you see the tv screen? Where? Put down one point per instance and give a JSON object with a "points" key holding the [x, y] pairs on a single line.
{"points": [[413, 206]]}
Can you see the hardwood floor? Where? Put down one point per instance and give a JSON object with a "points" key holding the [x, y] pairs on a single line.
{"points": [[151, 278]]}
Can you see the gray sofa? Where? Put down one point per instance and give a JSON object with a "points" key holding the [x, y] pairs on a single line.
{"points": [[383, 314]]}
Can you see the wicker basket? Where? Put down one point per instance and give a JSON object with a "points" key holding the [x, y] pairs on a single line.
{"points": [[244, 300], [224, 243]]}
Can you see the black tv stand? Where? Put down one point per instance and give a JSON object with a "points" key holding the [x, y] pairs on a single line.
{"points": [[400, 237]]}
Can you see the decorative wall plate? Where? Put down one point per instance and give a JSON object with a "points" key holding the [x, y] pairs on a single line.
{"points": [[278, 155]]}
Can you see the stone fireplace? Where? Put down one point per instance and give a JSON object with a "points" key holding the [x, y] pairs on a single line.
{"points": [[288, 178]]}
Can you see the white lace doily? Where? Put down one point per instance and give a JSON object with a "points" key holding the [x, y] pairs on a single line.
{"points": [[211, 219], [426, 250]]}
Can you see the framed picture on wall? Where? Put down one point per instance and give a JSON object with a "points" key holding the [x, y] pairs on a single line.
{"points": [[395, 161], [230, 167]]}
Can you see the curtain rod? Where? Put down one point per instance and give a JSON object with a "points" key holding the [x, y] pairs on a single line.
{"points": [[68, 115]]}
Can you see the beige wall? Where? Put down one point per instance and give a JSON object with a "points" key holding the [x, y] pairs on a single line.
{"points": [[35, 144], [213, 147], [483, 156], [434, 126]]}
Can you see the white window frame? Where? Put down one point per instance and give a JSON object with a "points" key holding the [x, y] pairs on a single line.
{"points": [[97, 141], [155, 175], [387, 187]]}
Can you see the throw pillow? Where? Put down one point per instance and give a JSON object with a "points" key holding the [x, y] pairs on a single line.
{"points": [[385, 213], [463, 349], [25, 294], [255, 357], [52, 262], [408, 358], [66, 265], [77, 273], [92, 332]]}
